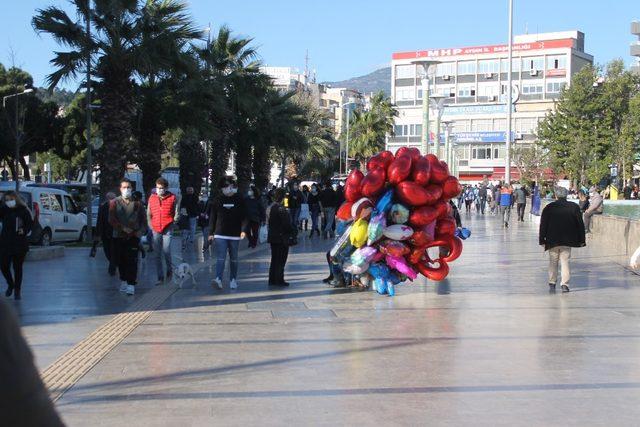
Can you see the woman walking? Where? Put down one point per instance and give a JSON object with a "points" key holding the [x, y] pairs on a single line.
{"points": [[16, 225], [315, 208], [280, 233], [255, 215]]}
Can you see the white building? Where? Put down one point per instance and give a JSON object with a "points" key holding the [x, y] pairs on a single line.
{"points": [[285, 78], [474, 81]]}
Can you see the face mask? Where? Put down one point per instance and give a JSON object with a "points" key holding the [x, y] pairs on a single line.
{"points": [[126, 193], [314, 191], [295, 187], [160, 191], [229, 191], [250, 193], [334, 186], [11, 203]]}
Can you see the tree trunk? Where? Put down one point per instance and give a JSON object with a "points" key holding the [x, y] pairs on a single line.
{"points": [[192, 161], [243, 164], [26, 173], [219, 160], [261, 166]]}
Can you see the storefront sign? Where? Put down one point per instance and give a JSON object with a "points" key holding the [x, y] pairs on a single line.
{"points": [[560, 72], [458, 110], [481, 136]]}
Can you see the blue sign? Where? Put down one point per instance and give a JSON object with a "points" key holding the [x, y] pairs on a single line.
{"points": [[482, 136], [458, 110]]}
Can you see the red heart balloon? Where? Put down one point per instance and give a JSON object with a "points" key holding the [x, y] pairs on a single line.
{"points": [[387, 157], [444, 209], [413, 194], [421, 172], [435, 193], [394, 248], [445, 227], [344, 212], [451, 188], [439, 172], [376, 162], [402, 151], [414, 153], [417, 255], [373, 183], [352, 192], [355, 178], [422, 216], [434, 273], [399, 170], [455, 245], [445, 165], [420, 237]]}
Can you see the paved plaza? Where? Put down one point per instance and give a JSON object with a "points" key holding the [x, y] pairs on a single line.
{"points": [[488, 346]]}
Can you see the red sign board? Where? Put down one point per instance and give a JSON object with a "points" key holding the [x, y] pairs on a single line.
{"points": [[560, 72], [480, 50]]}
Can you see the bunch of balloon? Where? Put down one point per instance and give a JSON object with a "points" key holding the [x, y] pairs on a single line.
{"points": [[393, 216]]}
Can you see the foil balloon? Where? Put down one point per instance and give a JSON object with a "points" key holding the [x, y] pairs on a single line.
{"points": [[363, 255], [379, 256], [421, 172], [421, 237], [455, 245], [434, 273], [376, 228], [394, 248], [399, 170], [463, 233], [341, 243], [422, 216], [418, 254], [358, 233], [439, 172], [341, 226], [385, 202], [415, 195], [444, 209], [412, 152], [344, 212], [400, 264], [355, 177], [362, 208], [365, 280], [387, 157], [380, 160], [373, 183], [352, 187], [445, 227], [398, 232], [399, 214], [451, 188], [356, 269]]}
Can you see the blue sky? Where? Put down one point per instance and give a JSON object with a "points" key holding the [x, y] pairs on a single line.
{"points": [[348, 38]]}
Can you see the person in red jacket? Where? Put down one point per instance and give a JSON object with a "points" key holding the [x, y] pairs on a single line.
{"points": [[162, 213]]}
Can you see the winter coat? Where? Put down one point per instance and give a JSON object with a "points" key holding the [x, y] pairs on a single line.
{"points": [[255, 209], [561, 224], [14, 219], [280, 228]]}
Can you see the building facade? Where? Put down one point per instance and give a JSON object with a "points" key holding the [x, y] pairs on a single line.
{"points": [[634, 49], [473, 82], [285, 79]]}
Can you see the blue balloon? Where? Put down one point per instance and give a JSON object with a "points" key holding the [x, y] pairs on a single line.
{"points": [[391, 289], [385, 202], [463, 233], [341, 226], [381, 286]]}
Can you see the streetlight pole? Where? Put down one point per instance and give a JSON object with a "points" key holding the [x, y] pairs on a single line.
{"points": [[206, 142], [426, 65], [447, 146], [18, 129], [437, 101], [507, 166], [89, 208], [346, 160]]}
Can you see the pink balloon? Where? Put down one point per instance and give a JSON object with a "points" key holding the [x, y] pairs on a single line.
{"points": [[400, 264]]}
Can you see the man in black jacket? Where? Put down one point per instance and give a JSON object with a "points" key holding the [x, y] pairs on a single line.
{"points": [[105, 232], [561, 228], [280, 232]]}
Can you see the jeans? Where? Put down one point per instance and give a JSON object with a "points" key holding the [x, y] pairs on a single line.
{"points": [[279, 255], [329, 214], [559, 254], [252, 233], [505, 211], [315, 220], [294, 214], [162, 247], [483, 204], [189, 235], [521, 207], [6, 262], [223, 246], [126, 255]]}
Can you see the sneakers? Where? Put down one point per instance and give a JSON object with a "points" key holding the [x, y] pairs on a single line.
{"points": [[233, 284], [565, 289], [123, 287], [131, 289], [217, 282]]}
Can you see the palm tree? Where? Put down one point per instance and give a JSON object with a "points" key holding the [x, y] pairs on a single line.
{"points": [[128, 39], [369, 128]]}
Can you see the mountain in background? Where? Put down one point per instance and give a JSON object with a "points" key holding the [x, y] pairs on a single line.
{"points": [[379, 80]]}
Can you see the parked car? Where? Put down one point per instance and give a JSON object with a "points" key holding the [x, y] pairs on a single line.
{"points": [[56, 216], [77, 191]]}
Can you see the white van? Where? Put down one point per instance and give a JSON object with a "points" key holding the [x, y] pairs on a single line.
{"points": [[58, 216]]}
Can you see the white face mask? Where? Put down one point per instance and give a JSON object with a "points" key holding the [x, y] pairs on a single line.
{"points": [[10, 203], [126, 193], [250, 193], [229, 191], [314, 191]]}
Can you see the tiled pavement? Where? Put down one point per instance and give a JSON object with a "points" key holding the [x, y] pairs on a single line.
{"points": [[489, 346]]}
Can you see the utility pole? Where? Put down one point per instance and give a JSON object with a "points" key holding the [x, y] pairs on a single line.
{"points": [[507, 166], [89, 233]]}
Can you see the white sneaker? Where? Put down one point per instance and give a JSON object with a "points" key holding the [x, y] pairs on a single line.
{"points": [[233, 284], [131, 289], [123, 287], [217, 282]]}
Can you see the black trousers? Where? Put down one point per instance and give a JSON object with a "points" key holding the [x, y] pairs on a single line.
{"points": [[125, 254], [279, 255], [521, 207], [16, 260]]}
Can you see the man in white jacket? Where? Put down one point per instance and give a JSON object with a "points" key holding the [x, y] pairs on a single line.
{"points": [[595, 207]]}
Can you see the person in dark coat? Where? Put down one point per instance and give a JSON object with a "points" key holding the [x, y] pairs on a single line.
{"points": [[14, 245], [104, 231], [561, 228], [24, 400], [255, 214], [280, 232], [188, 216]]}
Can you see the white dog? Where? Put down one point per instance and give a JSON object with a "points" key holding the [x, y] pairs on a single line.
{"points": [[181, 272]]}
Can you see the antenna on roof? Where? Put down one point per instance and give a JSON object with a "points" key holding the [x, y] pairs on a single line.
{"points": [[306, 65], [526, 28]]}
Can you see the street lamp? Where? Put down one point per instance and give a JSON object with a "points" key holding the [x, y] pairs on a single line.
{"points": [[426, 65], [437, 102], [448, 125], [346, 160], [27, 89], [507, 168]]}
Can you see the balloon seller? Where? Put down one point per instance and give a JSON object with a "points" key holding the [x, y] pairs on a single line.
{"points": [[391, 217]]}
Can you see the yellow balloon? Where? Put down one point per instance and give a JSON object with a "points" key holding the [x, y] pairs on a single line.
{"points": [[359, 232]]}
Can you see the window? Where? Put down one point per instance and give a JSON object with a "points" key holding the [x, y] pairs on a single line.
{"points": [[408, 130], [488, 89], [55, 202], [71, 206], [488, 66], [556, 62], [499, 124], [466, 67], [466, 91], [461, 126], [45, 204], [481, 153], [526, 124], [533, 63], [532, 89], [446, 69], [405, 71], [555, 86], [481, 125], [515, 65], [405, 93], [449, 91]]}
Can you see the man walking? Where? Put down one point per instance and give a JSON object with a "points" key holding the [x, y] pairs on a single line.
{"points": [[328, 200], [482, 197], [189, 208], [127, 218], [561, 228], [162, 213], [506, 201], [520, 196], [105, 232], [595, 207]]}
